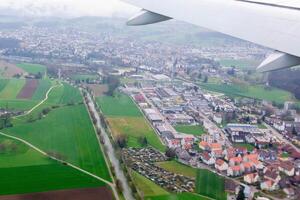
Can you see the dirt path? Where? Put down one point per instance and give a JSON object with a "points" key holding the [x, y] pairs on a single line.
{"points": [[40, 103]]}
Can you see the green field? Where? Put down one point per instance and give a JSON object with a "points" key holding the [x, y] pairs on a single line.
{"points": [[40, 92], [67, 132], [248, 146], [210, 184], [193, 129], [33, 68], [64, 94], [125, 118], [40, 178], [134, 128], [147, 187], [242, 63], [250, 91], [84, 77], [118, 106], [178, 168], [12, 89], [24, 170], [182, 196]]}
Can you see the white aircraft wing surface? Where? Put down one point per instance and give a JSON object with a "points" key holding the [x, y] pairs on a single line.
{"points": [[270, 23]]}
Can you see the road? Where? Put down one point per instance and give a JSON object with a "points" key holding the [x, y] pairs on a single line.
{"points": [[110, 151]]}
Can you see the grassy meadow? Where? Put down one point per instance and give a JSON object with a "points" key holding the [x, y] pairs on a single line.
{"points": [[210, 184], [196, 130], [32, 68], [178, 168]]}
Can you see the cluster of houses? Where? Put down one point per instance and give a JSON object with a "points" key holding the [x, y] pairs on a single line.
{"points": [[144, 162]]}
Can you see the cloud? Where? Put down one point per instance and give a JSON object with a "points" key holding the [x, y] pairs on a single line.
{"points": [[69, 8]]}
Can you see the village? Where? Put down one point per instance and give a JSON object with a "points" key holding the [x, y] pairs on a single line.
{"points": [[242, 140]]}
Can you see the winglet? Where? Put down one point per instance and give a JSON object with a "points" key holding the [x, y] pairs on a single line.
{"points": [[278, 60], [146, 17]]}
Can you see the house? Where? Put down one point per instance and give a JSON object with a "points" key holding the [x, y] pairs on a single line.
{"points": [[235, 161], [248, 167], [182, 154], [221, 165], [258, 164], [250, 157], [268, 185], [215, 147], [204, 145], [267, 155], [251, 178], [287, 168], [290, 192], [234, 171], [207, 158], [217, 153], [272, 176], [229, 153]]}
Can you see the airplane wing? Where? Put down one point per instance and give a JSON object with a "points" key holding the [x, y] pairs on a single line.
{"points": [[270, 23]]}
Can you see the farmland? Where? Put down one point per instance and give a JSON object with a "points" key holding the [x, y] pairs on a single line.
{"points": [[65, 132], [68, 134], [19, 163], [125, 118], [28, 89], [118, 106], [210, 185], [244, 63], [178, 168], [32, 68], [250, 91], [193, 129], [182, 196]]}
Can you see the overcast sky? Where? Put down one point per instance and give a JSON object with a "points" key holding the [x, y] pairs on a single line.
{"points": [[69, 8]]}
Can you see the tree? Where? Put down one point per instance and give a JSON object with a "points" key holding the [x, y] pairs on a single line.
{"points": [[241, 194], [205, 79], [122, 141], [143, 141], [113, 83]]}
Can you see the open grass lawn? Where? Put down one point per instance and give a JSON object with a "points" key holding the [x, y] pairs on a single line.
{"points": [[17, 104], [119, 105], [248, 146], [178, 168], [3, 83], [33, 68], [67, 132], [193, 130], [40, 178], [134, 128], [210, 185], [255, 92], [12, 88], [182, 196], [147, 187]]}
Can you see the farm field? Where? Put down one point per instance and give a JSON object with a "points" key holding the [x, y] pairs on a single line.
{"points": [[210, 185], [64, 94], [182, 196], [178, 168], [256, 92], [147, 187], [97, 89], [74, 194], [26, 94], [125, 118], [20, 163], [134, 128], [32, 68], [8, 70], [196, 130], [39, 178], [119, 105], [67, 132]]}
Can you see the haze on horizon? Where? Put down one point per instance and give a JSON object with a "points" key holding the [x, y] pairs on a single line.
{"points": [[67, 8]]}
